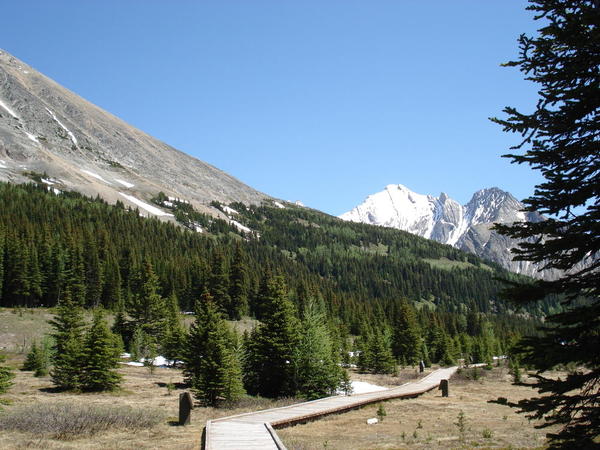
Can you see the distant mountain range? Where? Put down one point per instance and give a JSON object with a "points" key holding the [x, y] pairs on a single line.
{"points": [[444, 220], [45, 128]]}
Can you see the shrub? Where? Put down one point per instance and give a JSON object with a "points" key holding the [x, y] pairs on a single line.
{"points": [[66, 421]]}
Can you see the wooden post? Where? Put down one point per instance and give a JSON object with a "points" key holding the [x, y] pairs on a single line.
{"points": [[186, 404], [421, 367], [444, 387]]}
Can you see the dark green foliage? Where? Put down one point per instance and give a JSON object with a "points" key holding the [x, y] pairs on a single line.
{"points": [[6, 376], [101, 354], [218, 284], [406, 339], [346, 264], [211, 366], [560, 139], [38, 359], [68, 352], [148, 309], [376, 354], [238, 285], [318, 371], [270, 369], [175, 338]]}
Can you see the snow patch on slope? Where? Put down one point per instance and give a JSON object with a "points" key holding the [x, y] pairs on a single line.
{"points": [[95, 175], [8, 110], [240, 227], [71, 135], [151, 209], [125, 183]]}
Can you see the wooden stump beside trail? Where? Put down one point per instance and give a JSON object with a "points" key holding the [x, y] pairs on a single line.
{"points": [[444, 388], [186, 404]]}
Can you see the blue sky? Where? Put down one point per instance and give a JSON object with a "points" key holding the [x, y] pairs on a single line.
{"points": [[323, 101]]}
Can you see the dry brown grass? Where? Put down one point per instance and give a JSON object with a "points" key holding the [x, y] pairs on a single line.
{"points": [[140, 390], [429, 421]]}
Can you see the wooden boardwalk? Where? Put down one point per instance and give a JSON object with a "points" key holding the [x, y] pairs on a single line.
{"points": [[254, 430]]}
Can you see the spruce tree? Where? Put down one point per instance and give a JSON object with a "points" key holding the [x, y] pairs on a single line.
{"points": [[37, 360], [101, 357], [380, 359], [238, 285], [406, 339], [560, 139], [68, 351], [211, 368], [148, 308], [6, 376], [270, 364], [218, 283], [175, 339], [319, 374]]}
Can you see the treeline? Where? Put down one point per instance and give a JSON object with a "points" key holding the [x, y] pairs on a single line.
{"points": [[100, 253]]}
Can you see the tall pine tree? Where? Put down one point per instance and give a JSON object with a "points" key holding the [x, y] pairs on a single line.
{"points": [[68, 352], [101, 357], [211, 368], [560, 139], [270, 351]]}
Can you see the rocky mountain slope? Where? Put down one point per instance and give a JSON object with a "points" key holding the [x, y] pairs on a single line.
{"points": [[45, 128], [443, 219]]}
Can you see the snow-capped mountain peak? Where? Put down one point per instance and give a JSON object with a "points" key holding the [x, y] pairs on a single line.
{"points": [[443, 219]]}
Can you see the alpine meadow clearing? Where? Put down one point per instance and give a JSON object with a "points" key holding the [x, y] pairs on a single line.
{"points": [[143, 412]]}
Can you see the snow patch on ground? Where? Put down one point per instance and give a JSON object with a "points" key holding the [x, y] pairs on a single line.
{"points": [[177, 199], [151, 209], [159, 361], [125, 183], [2, 166], [71, 135], [44, 180], [362, 387], [8, 110], [279, 205], [95, 175], [229, 210], [240, 227]]}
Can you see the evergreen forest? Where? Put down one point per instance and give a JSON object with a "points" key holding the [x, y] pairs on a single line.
{"points": [[391, 297]]}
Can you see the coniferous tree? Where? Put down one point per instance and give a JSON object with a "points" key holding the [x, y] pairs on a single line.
{"points": [[210, 366], [238, 285], [68, 351], [380, 358], [38, 359], [148, 309], [270, 364], [561, 141], [175, 338], [319, 374], [406, 340], [101, 357], [218, 283], [6, 376]]}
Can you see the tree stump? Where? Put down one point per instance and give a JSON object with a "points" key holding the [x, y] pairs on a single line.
{"points": [[444, 388], [421, 367], [186, 404]]}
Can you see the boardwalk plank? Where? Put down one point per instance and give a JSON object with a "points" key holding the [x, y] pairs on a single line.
{"points": [[253, 430]]}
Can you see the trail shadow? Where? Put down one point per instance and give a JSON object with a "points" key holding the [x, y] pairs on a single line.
{"points": [[53, 390], [175, 385]]}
